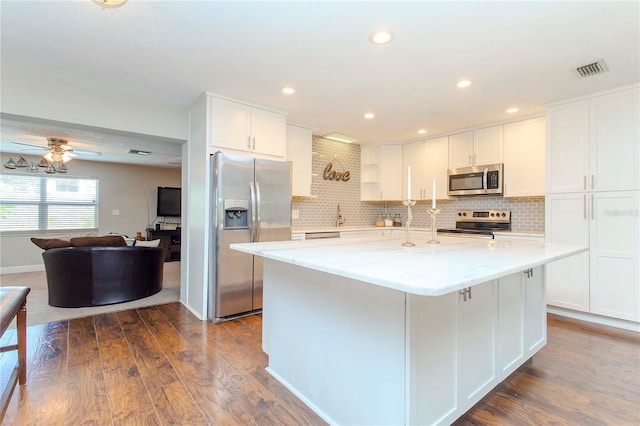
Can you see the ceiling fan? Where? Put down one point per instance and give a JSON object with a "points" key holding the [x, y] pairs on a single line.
{"points": [[58, 152]]}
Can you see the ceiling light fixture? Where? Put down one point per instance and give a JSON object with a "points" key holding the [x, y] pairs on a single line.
{"points": [[512, 110], [109, 4], [340, 137], [369, 115], [422, 131], [288, 90], [464, 83], [381, 37]]}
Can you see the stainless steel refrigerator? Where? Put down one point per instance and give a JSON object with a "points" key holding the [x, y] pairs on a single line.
{"points": [[251, 201]]}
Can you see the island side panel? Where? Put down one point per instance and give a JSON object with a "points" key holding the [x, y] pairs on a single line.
{"points": [[337, 343]]}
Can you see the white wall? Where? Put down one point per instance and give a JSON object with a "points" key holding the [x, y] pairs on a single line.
{"points": [[37, 97], [127, 188]]}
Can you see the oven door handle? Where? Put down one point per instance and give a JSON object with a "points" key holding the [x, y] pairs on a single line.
{"points": [[484, 179]]}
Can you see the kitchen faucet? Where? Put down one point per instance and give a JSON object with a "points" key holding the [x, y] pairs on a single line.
{"points": [[339, 219]]}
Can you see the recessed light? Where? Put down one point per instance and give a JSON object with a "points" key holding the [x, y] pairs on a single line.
{"points": [[288, 90], [464, 83], [369, 115], [512, 110], [381, 37], [422, 131]]}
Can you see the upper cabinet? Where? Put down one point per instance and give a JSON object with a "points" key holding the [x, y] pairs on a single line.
{"points": [[243, 127], [478, 147], [524, 168], [428, 161], [593, 144], [381, 172], [299, 153]]}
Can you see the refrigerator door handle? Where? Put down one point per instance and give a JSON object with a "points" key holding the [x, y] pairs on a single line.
{"points": [[252, 231], [258, 201]]}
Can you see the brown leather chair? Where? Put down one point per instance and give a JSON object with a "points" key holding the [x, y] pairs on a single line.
{"points": [[94, 276]]}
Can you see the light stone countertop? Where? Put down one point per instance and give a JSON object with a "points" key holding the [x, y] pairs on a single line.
{"points": [[400, 228], [426, 269]]}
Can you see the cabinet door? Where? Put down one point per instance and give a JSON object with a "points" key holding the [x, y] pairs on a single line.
{"points": [[566, 221], [230, 124], [268, 132], [476, 330], [390, 172], [524, 159], [413, 156], [461, 150], [299, 153], [615, 140], [535, 312], [436, 152], [567, 147], [488, 145], [511, 293], [614, 255]]}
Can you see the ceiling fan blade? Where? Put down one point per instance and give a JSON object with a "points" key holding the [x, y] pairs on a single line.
{"points": [[77, 152], [28, 144]]}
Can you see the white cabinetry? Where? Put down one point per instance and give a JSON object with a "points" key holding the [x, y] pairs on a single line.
{"points": [[524, 159], [614, 236], [413, 156], [243, 127], [592, 198], [593, 144], [498, 325], [428, 161], [299, 153], [381, 172], [390, 169], [479, 147]]}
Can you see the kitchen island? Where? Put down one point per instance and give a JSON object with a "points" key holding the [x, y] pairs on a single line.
{"points": [[366, 331]]}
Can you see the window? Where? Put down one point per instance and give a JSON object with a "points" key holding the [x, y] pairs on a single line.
{"points": [[47, 203]]}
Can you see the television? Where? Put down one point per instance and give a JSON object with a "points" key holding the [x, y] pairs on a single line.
{"points": [[168, 201]]}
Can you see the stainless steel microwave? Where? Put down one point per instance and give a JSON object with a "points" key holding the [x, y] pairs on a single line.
{"points": [[476, 180]]}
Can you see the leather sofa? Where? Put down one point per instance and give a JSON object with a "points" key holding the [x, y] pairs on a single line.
{"points": [[94, 276]]}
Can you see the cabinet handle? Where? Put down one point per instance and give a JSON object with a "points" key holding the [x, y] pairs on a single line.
{"points": [[248, 142], [593, 179], [254, 142], [470, 160], [465, 293], [584, 205], [584, 182], [593, 214], [529, 272]]}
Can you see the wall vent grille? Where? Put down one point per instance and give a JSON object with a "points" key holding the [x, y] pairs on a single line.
{"points": [[597, 67], [139, 152]]}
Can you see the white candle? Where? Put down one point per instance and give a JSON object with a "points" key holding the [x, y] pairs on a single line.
{"points": [[433, 194], [408, 182]]}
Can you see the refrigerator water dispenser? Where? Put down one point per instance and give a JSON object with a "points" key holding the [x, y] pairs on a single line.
{"points": [[236, 214]]}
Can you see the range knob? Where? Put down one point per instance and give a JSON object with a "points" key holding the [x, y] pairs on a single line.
{"points": [[492, 214], [459, 214], [464, 214], [504, 214]]}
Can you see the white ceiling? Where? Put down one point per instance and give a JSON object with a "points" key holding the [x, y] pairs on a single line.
{"points": [[520, 54]]}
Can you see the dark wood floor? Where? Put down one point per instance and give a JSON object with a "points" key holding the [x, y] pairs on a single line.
{"points": [[160, 365]]}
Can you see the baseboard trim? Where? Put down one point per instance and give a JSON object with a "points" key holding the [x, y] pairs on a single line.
{"points": [[596, 319], [20, 269]]}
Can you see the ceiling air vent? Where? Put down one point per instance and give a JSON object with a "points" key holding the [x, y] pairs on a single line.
{"points": [[138, 152], [592, 69]]}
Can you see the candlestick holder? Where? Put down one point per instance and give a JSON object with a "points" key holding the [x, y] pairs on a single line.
{"points": [[433, 212], [408, 203]]}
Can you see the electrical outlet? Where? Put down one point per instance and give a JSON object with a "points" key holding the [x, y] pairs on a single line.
{"points": [[295, 214], [115, 212]]}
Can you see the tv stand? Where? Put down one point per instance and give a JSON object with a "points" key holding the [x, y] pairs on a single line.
{"points": [[169, 240]]}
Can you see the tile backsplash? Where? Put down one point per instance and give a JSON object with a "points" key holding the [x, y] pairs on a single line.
{"points": [[527, 214]]}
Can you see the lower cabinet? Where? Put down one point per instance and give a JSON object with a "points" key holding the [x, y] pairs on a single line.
{"points": [[497, 326]]}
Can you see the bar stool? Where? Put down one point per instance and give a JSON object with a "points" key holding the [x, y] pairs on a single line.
{"points": [[13, 304]]}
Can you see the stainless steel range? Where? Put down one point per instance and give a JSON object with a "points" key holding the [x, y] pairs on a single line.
{"points": [[479, 223]]}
